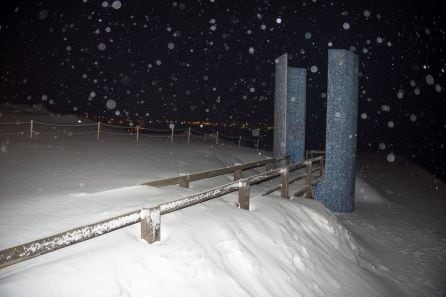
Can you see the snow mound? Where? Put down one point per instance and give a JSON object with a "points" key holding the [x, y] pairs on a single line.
{"points": [[280, 248]]}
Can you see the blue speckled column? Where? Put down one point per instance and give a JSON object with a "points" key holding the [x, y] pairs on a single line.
{"points": [[295, 118], [280, 100], [289, 110], [337, 191]]}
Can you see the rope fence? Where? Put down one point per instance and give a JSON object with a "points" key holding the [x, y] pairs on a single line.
{"points": [[34, 129]]}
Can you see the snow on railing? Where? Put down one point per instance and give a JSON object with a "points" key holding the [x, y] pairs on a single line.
{"points": [[150, 219]]}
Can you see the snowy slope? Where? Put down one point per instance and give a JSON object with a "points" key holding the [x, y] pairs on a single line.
{"points": [[400, 223], [279, 248]]}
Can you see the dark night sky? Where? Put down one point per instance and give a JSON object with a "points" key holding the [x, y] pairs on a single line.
{"points": [[197, 60]]}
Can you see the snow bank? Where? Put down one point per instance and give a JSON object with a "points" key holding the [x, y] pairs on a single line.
{"points": [[279, 248]]}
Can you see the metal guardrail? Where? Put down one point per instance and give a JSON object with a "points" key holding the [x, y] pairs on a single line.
{"points": [[150, 219]]}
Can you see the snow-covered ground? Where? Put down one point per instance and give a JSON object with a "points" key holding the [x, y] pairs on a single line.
{"points": [[400, 223], [395, 246]]}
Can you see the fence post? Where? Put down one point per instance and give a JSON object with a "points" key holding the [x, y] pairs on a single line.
{"points": [[243, 194], [308, 180], [151, 225], [216, 138], [257, 144], [31, 127], [171, 135], [137, 133], [184, 181], [269, 166], [99, 131], [237, 174], [188, 135], [240, 140], [284, 174]]}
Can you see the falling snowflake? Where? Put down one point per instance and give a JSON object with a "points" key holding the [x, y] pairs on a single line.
{"points": [[391, 158], [43, 14], [116, 4], [102, 46], [110, 104], [429, 79], [385, 107]]}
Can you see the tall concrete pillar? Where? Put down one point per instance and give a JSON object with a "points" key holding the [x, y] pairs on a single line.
{"points": [[295, 118], [337, 191], [289, 110], [280, 100]]}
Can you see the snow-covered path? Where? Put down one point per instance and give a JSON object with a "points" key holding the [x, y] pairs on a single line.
{"points": [[400, 223]]}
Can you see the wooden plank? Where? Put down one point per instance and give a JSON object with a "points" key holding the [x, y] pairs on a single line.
{"points": [[48, 244], [297, 177], [222, 171], [296, 166], [300, 193], [198, 198], [163, 182], [212, 173], [184, 181]]}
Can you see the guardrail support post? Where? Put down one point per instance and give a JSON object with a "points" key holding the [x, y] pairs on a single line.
{"points": [[99, 131], [269, 166], [308, 180], [184, 181], [243, 194], [237, 174], [216, 138], [31, 127], [171, 135], [151, 225], [240, 141], [137, 133], [284, 174], [188, 135]]}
